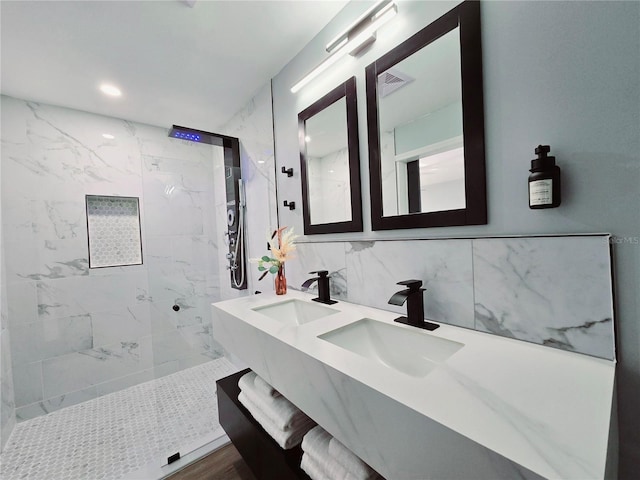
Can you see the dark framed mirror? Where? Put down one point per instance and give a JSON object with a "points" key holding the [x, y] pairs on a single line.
{"points": [[330, 163], [425, 121]]}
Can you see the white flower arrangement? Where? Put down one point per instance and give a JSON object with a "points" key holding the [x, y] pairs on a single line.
{"points": [[282, 246]]}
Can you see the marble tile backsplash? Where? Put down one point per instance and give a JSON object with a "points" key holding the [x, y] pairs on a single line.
{"points": [[550, 290]]}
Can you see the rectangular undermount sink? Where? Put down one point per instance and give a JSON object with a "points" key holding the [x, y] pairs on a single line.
{"points": [[405, 349], [295, 312]]}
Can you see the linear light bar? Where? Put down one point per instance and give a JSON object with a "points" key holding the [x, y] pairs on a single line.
{"points": [[360, 33], [374, 12]]}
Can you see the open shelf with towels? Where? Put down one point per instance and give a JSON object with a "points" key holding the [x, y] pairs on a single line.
{"points": [[263, 455]]}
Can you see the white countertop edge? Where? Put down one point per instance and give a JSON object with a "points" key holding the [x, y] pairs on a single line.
{"points": [[551, 417]]}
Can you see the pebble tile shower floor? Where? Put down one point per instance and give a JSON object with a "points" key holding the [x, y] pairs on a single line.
{"points": [[119, 433]]}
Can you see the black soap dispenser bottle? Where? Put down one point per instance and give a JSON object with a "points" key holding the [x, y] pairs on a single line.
{"points": [[544, 181]]}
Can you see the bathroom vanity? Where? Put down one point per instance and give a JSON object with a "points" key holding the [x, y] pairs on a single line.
{"points": [[414, 404]]}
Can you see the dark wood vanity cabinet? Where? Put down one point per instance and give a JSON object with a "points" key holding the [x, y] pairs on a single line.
{"points": [[263, 455]]}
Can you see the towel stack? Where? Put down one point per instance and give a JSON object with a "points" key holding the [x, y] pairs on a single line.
{"points": [[325, 458], [278, 416]]}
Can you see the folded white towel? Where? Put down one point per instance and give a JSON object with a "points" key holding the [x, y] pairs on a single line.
{"points": [[247, 380], [282, 413], [263, 387], [315, 444], [286, 440], [316, 441], [313, 468], [350, 461]]}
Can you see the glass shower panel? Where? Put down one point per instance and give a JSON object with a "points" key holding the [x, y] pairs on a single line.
{"points": [[181, 236]]}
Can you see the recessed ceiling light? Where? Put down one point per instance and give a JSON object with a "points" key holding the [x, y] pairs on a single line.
{"points": [[110, 90], [307, 139], [108, 136]]}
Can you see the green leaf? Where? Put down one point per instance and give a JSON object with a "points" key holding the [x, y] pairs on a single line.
{"points": [[261, 268], [273, 269], [266, 259]]}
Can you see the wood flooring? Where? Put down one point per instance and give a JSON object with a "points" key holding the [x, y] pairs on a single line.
{"points": [[223, 464]]}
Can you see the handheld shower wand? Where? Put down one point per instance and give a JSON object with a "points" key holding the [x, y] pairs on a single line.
{"points": [[240, 250]]}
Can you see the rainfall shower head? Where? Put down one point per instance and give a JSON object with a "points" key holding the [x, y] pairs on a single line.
{"points": [[193, 135]]}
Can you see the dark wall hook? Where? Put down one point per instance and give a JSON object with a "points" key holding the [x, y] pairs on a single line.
{"points": [[288, 171], [291, 205]]}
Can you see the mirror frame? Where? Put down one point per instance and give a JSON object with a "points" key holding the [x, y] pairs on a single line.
{"points": [[467, 17], [348, 91]]}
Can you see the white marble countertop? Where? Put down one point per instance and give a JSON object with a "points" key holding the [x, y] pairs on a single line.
{"points": [[546, 409]]}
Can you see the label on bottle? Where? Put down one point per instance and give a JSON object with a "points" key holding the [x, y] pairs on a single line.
{"points": [[541, 192]]}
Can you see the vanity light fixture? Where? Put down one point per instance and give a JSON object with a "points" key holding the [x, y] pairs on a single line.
{"points": [[352, 40], [110, 90]]}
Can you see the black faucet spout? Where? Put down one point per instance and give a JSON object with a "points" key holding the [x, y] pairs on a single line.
{"points": [[324, 291], [414, 298], [400, 297], [308, 283]]}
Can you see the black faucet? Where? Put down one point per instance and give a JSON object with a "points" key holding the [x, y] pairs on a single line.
{"points": [[415, 305], [324, 294]]}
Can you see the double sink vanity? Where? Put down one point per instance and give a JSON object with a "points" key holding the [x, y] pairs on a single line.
{"points": [[416, 404]]}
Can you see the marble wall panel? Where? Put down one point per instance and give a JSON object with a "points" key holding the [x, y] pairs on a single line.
{"points": [[83, 295], [28, 387], [7, 393], [7, 398], [49, 405], [554, 291], [23, 307], [81, 370], [444, 266], [41, 340], [125, 324], [311, 257]]}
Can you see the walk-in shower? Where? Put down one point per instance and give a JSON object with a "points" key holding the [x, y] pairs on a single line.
{"points": [[114, 249]]}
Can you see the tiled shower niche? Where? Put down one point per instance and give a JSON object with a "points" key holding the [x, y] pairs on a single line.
{"points": [[113, 228]]}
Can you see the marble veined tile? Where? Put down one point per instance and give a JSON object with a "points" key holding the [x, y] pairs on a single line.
{"points": [[49, 405], [81, 370], [27, 383], [68, 145], [89, 294], [51, 338], [123, 324], [21, 302], [444, 266], [7, 400], [554, 291], [319, 256]]}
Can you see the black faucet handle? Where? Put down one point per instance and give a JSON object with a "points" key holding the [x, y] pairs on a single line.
{"points": [[413, 285], [321, 273]]}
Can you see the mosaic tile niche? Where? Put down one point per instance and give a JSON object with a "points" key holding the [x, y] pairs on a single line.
{"points": [[114, 231]]}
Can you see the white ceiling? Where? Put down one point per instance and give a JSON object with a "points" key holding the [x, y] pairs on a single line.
{"points": [[183, 62]]}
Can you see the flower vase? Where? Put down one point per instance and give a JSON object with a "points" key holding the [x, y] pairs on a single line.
{"points": [[281, 281]]}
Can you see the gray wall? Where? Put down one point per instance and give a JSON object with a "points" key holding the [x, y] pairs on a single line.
{"points": [[565, 74]]}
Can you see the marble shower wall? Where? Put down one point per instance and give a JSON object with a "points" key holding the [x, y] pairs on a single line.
{"points": [[78, 333], [7, 402], [552, 290]]}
